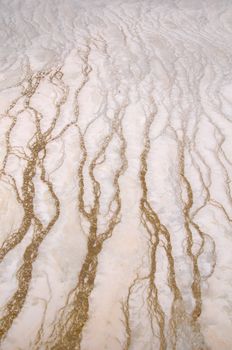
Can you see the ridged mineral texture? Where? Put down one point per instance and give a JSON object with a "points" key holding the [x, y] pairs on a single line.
{"points": [[115, 175]]}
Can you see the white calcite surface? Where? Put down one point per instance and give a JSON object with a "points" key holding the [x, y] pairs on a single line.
{"points": [[115, 174]]}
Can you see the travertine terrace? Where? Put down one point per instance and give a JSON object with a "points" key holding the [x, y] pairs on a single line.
{"points": [[115, 174]]}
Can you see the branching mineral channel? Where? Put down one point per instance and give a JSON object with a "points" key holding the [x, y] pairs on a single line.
{"points": [[115, 175]]}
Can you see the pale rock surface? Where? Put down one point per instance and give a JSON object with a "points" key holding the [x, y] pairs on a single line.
{"points": [[115, 176]]}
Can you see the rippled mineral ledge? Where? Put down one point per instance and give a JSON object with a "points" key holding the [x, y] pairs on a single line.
{"points": [[115, 174]]}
